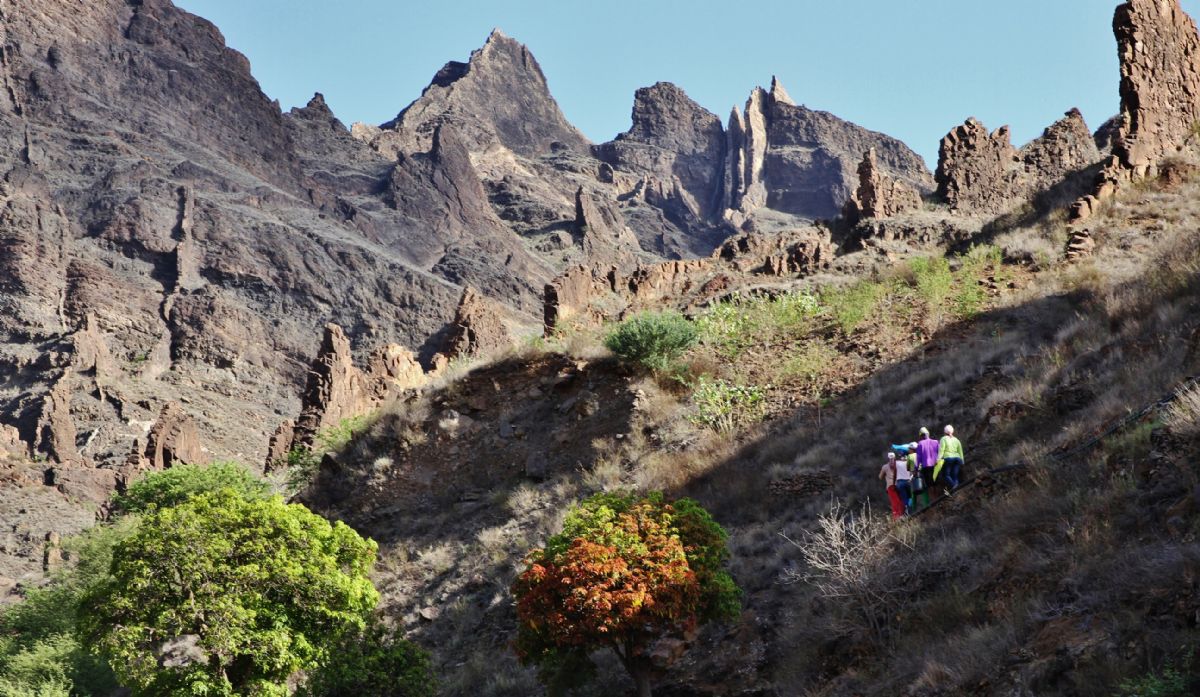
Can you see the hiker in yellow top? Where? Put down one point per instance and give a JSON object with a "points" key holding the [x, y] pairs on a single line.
{"points": [[950, 450]]}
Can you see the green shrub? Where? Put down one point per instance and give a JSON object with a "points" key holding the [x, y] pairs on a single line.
{"points": [[851, 306], [1169, 683], [375, 663], [809, 362], [40, 654], [173, 486], [301, 462], [727, 327], [654, 339], [791, 312], [724, 407], [933, 280]]}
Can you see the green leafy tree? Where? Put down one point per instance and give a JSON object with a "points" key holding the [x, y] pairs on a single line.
{"points": [[228, 595], [180, 483], [654, 339], [625, 573], [375, 663]]}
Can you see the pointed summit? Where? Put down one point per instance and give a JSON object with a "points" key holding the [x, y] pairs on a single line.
{"points": [[778, 94], [498, 97]]}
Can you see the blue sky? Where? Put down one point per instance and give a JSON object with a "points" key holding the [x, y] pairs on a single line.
{"points": [[910, 68]]}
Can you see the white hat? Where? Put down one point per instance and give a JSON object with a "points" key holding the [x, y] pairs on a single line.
{"points": [[891, 456], [949, 430], [924, 431]]}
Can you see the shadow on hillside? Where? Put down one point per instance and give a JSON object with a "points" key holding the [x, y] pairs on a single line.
{"points": [[443, 467], [945, 380]]}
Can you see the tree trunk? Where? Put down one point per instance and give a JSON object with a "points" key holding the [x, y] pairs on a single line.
{"points": [[642, 679]]}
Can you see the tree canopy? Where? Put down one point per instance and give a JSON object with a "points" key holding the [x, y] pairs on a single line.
{"points": [[624, 573], [224, 594]]}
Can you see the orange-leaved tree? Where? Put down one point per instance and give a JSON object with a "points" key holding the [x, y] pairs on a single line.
{"points": [[626, 573]]}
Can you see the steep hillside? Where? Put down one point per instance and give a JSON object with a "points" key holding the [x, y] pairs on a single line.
{"points": [[1006, 586]]}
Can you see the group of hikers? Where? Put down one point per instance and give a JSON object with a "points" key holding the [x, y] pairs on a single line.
{"points": [[913, 469]]}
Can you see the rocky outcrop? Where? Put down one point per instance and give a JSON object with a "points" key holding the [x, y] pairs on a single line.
{"points": [[56, 434], [338, 390], [878, 195], [498, 97], [568, 298], [587, 296], [602, 231], [173, 440], [1159, 51], [279, 446], [796, 252], [980, 172], [676, 143], [1063, 149], [477, 328], [976, 168]]}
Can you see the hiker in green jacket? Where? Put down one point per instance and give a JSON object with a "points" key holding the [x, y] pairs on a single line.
{"points": [[951, 451]]}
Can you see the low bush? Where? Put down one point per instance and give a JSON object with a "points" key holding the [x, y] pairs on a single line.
{"points": [[653, 339], [1167, 683], [852, 305], [724, 407], [302, 461]]}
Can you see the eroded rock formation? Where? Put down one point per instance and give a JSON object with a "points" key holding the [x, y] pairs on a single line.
{"points": [[174, 440], [976, 168], [879, 195], [1160, 81], [338, 390], [477, 328], [980, 172]]}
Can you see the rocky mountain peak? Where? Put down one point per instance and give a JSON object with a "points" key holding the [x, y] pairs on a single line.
{"points": [[779, 94], [498, 97]]}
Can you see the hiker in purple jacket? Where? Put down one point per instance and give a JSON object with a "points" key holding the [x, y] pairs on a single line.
{"points": [[927, 456]]}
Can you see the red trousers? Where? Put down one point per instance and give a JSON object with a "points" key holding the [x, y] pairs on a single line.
{"points": [[897, 504]]}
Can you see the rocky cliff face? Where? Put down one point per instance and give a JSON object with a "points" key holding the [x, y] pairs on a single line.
{"points": [[679, 146]]}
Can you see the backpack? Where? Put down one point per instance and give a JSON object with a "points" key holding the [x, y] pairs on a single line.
{"points": [[918, 482]]}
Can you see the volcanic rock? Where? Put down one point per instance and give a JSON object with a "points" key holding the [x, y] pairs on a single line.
{"points": [[976, 168], [1064, 148], [878, 195], [498, 97], [477, 328], [1160, 81], [673, 139], [173, 439], [804, 162]]}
